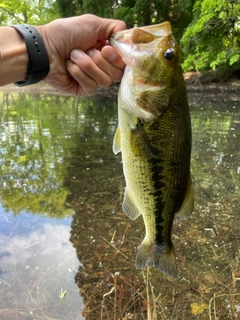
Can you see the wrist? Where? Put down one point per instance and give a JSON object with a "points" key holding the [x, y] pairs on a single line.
{"points": [[14, 56], [38, 62]]}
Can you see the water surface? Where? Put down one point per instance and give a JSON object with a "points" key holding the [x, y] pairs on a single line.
{"points": [[66, 249]]}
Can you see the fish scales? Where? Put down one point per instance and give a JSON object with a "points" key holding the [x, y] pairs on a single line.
{"points": [[154, 136]]}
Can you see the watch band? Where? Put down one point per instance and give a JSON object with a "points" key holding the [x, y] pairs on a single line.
{"points": [[38, 64]]}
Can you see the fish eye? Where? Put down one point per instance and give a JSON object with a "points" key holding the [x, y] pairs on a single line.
{"points": [[169, 54]]}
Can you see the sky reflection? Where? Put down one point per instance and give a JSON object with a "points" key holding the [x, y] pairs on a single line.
{"points": [[38, 264]]}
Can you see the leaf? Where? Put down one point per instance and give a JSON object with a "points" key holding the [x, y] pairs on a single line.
{"points": [[22, 159], [198, 308], [223, 15], [213, 31], [62, 293], [234, 58]]}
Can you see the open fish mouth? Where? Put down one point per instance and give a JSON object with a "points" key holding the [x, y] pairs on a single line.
{"points": [[127, 35], [130, 43]]}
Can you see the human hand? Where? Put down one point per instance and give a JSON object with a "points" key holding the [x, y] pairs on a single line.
{"points": [[79, 55]]}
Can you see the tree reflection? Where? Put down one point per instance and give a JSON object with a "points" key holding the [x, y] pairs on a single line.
{"points": [[38, 133], [57, 150]]}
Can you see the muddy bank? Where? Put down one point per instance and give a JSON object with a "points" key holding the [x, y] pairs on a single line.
{"points": [[196, 83], [193, 82]]}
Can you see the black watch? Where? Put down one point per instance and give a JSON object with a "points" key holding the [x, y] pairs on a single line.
{"points": [[38, 65]]}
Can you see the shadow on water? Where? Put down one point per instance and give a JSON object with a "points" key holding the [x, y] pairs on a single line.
{"points": [[57, 159]]}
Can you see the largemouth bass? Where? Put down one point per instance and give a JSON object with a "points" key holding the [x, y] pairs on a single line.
{"points": [[154, 136]]}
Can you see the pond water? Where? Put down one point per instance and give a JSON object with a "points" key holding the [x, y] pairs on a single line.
{"points": [[67, 251]]}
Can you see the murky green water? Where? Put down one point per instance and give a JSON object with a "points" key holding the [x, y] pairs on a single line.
{"points": [[66, 249]]}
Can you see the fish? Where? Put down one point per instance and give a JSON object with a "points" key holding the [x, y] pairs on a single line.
{"points": [[154, 136]]}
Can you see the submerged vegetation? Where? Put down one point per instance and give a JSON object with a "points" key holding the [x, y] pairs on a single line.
{"points": [[113, 289]]}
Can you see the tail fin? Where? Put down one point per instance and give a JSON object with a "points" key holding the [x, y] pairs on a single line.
{"points": [[161, 257]]}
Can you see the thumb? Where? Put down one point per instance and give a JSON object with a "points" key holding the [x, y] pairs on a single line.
{"points": [[109, 26]]}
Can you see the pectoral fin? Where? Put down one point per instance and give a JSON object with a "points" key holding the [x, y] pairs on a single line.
{"points": [[148, 103], [188, 203], [129, 207], [117, 141]]}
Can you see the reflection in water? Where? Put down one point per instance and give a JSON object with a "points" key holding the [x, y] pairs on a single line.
{"points": [[58, 149], [36, 263]]}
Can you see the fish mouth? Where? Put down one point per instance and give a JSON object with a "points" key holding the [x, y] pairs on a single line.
{"points": [[124, 35], [130, 43], [121, 38], [121, 42], [160, 30]]}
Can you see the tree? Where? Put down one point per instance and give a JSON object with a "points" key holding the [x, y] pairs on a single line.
{"points": [[102, 8], [31, 12], [212, 39], [69, 8], [125, 11]]}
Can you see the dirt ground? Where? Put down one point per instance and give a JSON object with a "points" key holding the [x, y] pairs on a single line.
{"points": [[195, 82]]}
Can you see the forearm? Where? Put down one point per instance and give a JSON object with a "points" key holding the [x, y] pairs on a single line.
{"points": [[13, 56]]}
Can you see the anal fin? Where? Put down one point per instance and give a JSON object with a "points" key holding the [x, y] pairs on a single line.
{"points": [[129, 207]]}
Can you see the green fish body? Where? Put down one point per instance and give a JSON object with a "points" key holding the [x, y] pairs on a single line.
{"points": [[154, 137]]}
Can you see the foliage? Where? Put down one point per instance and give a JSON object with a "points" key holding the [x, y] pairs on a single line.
{"points": [[135, 12], [125, 12], [212, 39], [31, 12], [209, 30], [69, 8], [102, 8], [145, 12]]}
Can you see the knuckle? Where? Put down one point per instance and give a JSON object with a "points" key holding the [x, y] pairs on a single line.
{"points": [[105, 81], [88, 89], [97, 58], [117, 75], [86, 64], [74, 70]]}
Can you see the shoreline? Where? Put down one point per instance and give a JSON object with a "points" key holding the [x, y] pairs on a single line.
{"points": [[192, 80]]}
